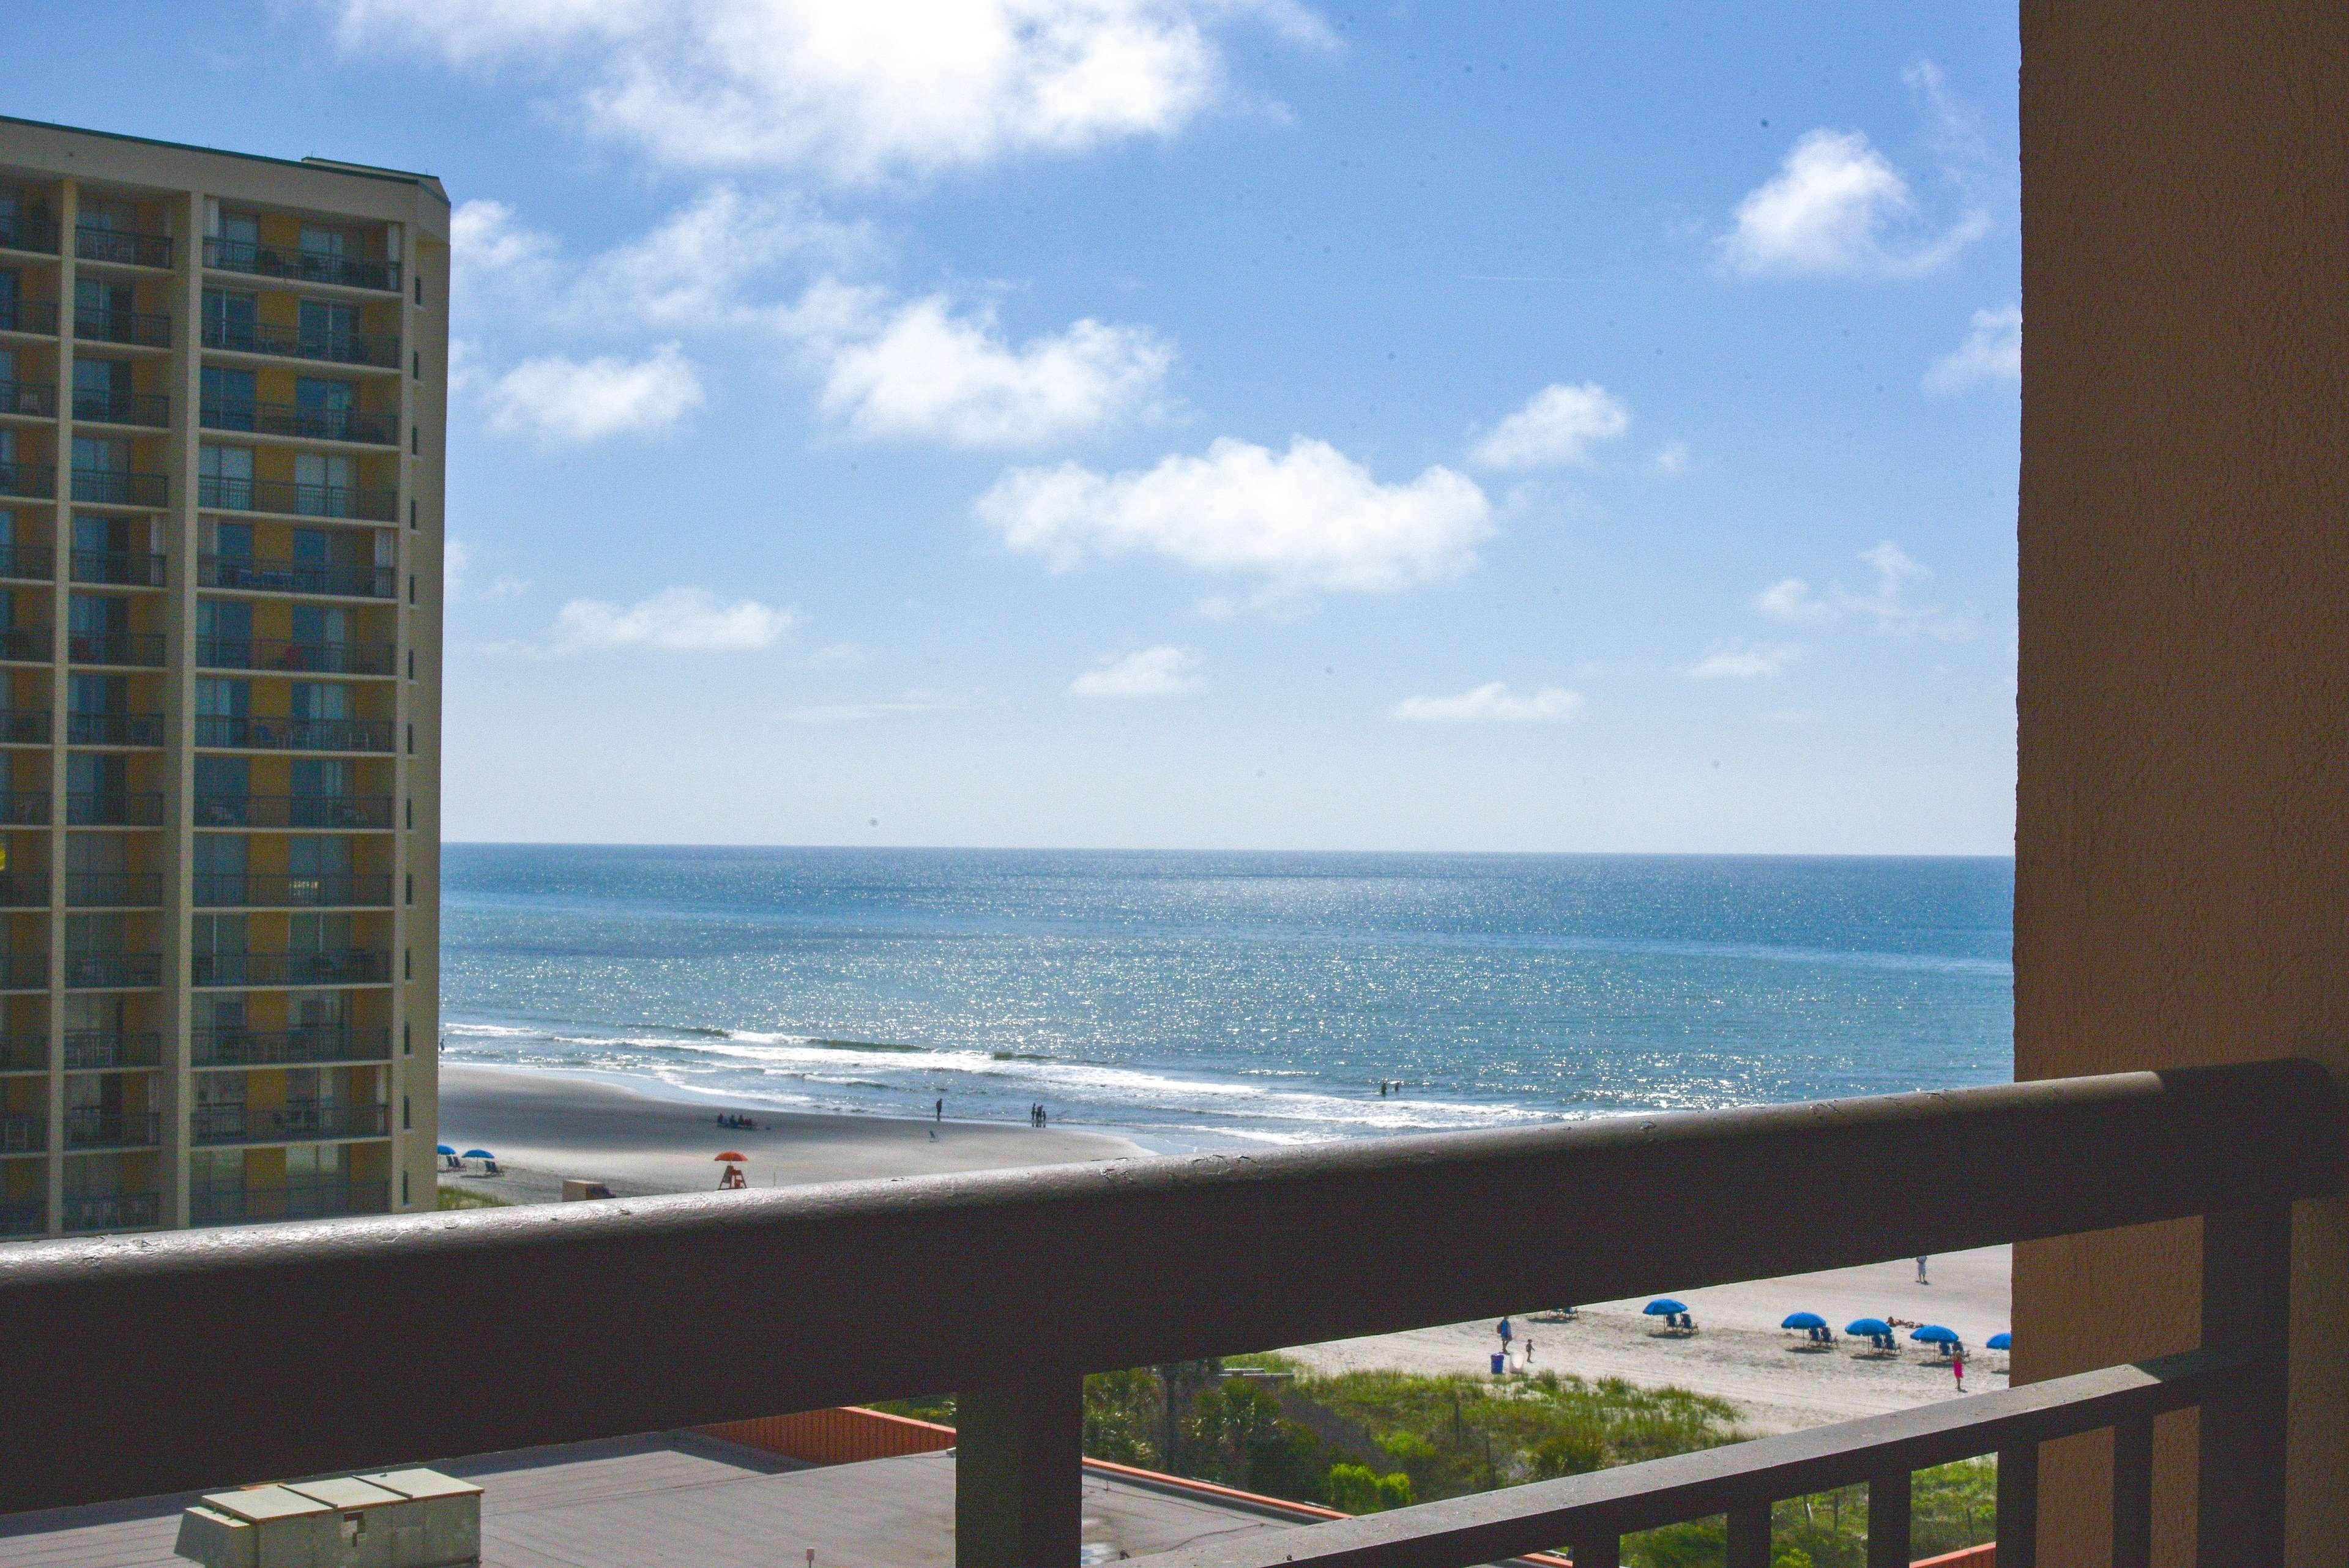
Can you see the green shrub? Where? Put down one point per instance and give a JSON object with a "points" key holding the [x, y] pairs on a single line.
{"points": [[1357, 1489]]}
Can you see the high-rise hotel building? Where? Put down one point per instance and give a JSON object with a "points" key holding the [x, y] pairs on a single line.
{"points": [[223, 399]]}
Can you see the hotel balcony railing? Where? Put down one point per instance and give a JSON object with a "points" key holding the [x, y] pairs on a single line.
{"points": [[102, 407], [310, 424], [33, 482], [132, 246], [334, 347], [92, 1127], [140, 649], [35, 400], [348, 967], [24, 725], [112, 1211], [113, 889], [24, 890], [23, 1053], [33, 315], [112, 971], [23, 232], [244, 732], [114, 808], [121, 486], [107, 1050], [343, 811], [122, 568], [24, 808], [24, 645], [24, 561], [23, 1132], [24, 971], [138, 328], [296, 1121], [295, 658], [279, 576], [1010, 1286], [114, 729], [288, 1047], [301, 266], [221, 890], [23, 1217], [369, 503], [303, 1200]]}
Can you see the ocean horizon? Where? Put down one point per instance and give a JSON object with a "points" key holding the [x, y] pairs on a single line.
{"points": [[1192, 999]]}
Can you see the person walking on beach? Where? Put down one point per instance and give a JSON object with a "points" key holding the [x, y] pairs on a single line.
{"points": [[1920, 1270], [942, 1109], [1958, 1365], [1507, 1333], [1526, 1350]]}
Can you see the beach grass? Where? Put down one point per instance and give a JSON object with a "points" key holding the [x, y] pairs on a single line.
{"points": [[466, 1198]]}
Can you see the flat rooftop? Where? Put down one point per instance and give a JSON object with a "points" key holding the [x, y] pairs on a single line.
{"points": [[676, 1497]]}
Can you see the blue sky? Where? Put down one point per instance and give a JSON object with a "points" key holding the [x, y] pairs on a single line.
{"points": [[1241, 423]]}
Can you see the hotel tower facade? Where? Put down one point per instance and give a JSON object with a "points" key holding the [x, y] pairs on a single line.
{"points": [[222, 402]]}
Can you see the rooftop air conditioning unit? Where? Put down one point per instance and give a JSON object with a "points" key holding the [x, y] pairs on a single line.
{"points": [[401, 1518]]}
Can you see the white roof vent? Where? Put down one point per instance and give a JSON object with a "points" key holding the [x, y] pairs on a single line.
{"points": [[399, 1519]]}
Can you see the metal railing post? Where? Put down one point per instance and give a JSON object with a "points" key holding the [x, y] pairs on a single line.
{"points": [[1019, 1474], [1749, 1537], [2018, 1506], [1888, 1520], [2246, 1305]]}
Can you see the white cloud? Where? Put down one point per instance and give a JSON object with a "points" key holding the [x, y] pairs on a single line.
{"points": [[1827, 211], [1886, 603], [675, 620], [1558, 425], [853, 92], [488, 245], [1672, 457], [929, 374], [1491, 702], [1153, 672], [458, 579], [562, 401], [1757, 661], [1309, 518], [1991, 352]]}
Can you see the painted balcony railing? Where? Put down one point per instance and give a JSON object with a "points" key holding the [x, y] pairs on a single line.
{"points": [[92, 1127], [130, 247], [306, 422], [29, 232], [248, 733], [112, 1211], [133, 328], [214, 890], [122, 568], [143, 650], [114, 808], [26, 644], [24, 890], [113, 889], [24, 725], [31, 481], [23, 1053], [24, 971], [23, 1217], [23, 1132], [303, 1200], [295, 658], [114, 729], [108, 1050], [24, 808], [33, 399], [298, 265], [297, 1121], [367, 503], [288, 1047], [37, 316], [332, 348], [354, 812], [1010, 1286], [103, 406], [26, 561], [345, 967], [349, 580], [112, 971], [121, 486]]}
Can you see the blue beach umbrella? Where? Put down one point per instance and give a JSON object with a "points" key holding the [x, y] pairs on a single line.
{"points": [[2001, 1340], [479, 1154], [1803, 1320], [1934, 1334], [443, 1148], [1869, 1327], [1663, 1306]]}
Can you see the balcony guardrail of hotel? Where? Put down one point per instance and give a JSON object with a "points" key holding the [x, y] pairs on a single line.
{"points": [[113, 809], [24, 808], [23, 1053], [114, 729], [33, 399], [281, 576], [27, 561], [96, 1127], [108, 1050], [341, 811], [143, 650], [23, 1132], [303, 1200], [112, 1211], [297, 265], [31, 481], [297, 1121], [26, 232], [364, 503], [348, 967], [132, 328], [24, 725], [297, 658], [291, 891], [1010, 1286], [24, 971], [314, 424], [26, 644], [121, 486], [23, 1217], [103, 407], [248, 733], [112, 971], [24, 890], [333, 348], [286, 1047], [37, 316], [119, 567], [130, 247], [113, 889]]}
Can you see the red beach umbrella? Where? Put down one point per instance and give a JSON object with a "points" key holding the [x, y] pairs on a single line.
{"points": [[730, 1158]]}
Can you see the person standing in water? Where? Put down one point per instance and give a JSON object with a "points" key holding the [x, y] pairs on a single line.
{"points": [[1920, 1270]]}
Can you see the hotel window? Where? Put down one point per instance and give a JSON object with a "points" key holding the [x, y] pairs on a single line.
{"points": [[231, 318], [225, 477], [242, 229], [102, 309], [228, 396], [328, 328], [322, 484]]}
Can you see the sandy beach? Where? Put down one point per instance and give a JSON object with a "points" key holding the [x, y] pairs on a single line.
{"points": [[545, 1126]]}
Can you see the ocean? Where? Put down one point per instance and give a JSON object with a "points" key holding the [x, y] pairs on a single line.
{"points": [[1199, 1000]]}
